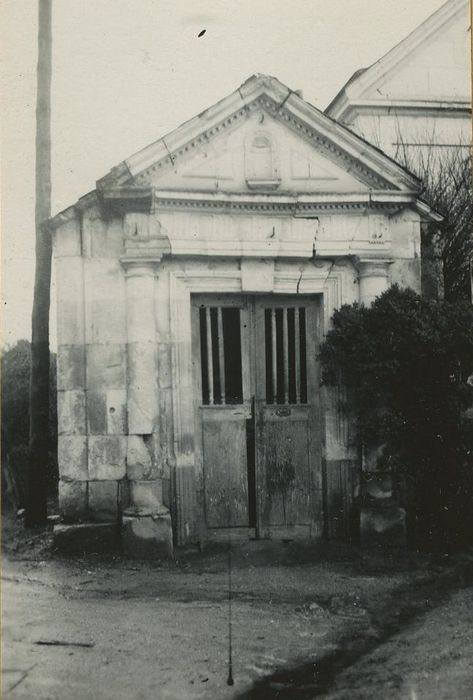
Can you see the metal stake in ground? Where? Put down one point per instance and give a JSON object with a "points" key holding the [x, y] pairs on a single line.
{"points": [[230, 680]]}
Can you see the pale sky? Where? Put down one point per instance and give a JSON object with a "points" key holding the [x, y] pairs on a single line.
{"points": [[125, 72]]}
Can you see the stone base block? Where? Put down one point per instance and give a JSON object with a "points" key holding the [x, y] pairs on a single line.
{"points": [[146, 494], [103, 501], [147, 534], [382, 524], [73, 501], [86, 538]]}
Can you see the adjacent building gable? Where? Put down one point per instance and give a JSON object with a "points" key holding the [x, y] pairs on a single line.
{"points": [[432, 64], [420, 91]]}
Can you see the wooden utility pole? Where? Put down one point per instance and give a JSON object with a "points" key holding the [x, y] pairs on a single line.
{"points": [[36, 507]]}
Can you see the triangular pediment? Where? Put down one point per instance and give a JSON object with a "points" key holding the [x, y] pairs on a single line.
{"points": [[262, 137], [260, 153], [430, 64]]}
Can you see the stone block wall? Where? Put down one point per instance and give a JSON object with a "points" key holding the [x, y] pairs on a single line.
{"points": [[125, 384], [94, 397]]}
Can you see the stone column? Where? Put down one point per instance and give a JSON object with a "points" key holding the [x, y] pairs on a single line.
{"points": [[373, 277], [382, 519], [146, 522]]}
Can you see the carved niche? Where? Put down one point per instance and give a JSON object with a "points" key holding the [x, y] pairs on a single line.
{"points": [[261, 162]]}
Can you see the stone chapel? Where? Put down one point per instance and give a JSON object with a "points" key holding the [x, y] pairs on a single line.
{"points": [[194, 286]]}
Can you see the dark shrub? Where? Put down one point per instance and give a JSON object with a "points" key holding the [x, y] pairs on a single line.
{"points": [[406, 362]]}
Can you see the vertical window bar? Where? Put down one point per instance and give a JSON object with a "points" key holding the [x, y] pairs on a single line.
{"points": [[268, 356], [285, 355], [297, 354], [221, 357], [274, 355], [210, 368], [302, 323]]}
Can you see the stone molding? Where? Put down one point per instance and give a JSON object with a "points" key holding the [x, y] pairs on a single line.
{"points": [[283, 114], [373, 267], [144, 266]]}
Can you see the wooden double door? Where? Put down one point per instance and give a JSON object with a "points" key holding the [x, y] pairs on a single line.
{"points": [[257, 407]]}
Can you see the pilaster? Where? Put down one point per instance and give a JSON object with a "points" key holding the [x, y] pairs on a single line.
{"points": [[146, 522], [373, 276]]}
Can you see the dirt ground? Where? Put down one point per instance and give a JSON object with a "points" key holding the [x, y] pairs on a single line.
{"points": [[432, 659], [306, 622]]}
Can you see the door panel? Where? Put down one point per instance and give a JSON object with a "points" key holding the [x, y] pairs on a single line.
{"points": [[284, 496], [223, 407], [257, 412], [286, 392], [226, 478]]}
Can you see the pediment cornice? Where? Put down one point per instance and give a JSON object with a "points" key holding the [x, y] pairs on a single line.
{"points": [[334, 141], [295, 205], [297, 124]]}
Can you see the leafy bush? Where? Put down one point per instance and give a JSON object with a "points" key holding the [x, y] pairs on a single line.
{"points": [[16, 363], [406, 362]]}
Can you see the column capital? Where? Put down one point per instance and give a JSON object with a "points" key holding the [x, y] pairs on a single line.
{"points": [[145, 242], [136, 266], [372, 267]]}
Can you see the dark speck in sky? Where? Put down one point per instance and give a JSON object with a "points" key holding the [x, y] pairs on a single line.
{"points": [[201, 33]]}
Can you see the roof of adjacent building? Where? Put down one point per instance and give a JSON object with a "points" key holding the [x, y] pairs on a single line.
{"points": [[363, 85]]}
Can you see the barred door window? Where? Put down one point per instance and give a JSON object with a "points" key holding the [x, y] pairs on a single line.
{"points": [[285, 354], [220, 349]]}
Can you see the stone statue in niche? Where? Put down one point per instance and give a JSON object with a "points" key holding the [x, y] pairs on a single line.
{"points": [[261, 168]]}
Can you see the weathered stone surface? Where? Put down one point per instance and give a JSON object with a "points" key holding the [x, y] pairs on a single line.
{"points": [[106, 237], [140, 300], [146, 494], [139, 464], [116, 412], [86, 538], [165, 367], [107, 411], [257, 275], [124, 494], [142, 357], [142, 409], [106, 321], [71, 412], [70, 312], [67, 239], [70, 367], [406, 273], [103, 501], [106, 366], [107, 457], [105, 301], [373, 279], [72, 501], [147, 536], [97, 412], [405, 235], [72, 457], [165, 431], [382, 523]]}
